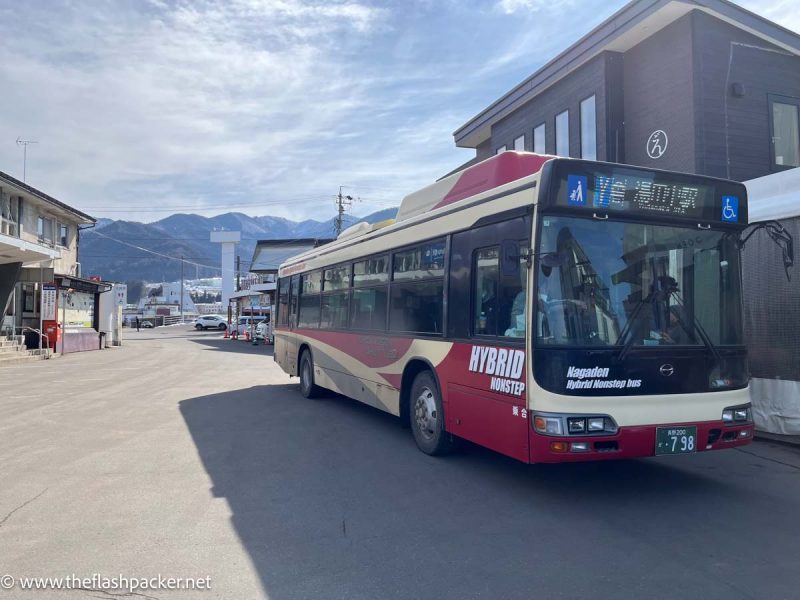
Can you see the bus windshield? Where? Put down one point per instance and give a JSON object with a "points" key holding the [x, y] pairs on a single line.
{"points": [[614, 283]]}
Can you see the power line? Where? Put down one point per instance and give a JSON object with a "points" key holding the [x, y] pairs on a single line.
{"points": [[282, 201], [167, 256]]}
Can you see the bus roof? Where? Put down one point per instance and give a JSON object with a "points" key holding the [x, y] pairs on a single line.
{"points": [[472, 182], [490, 173]]}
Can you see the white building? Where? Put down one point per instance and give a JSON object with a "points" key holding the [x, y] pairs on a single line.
{"points": [[168, 294]]}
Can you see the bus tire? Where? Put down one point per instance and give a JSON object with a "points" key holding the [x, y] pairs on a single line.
{"points": [[426, 415], [307, 386]]}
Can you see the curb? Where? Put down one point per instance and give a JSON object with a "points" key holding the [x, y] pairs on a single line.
{"points": [[792, 441]]}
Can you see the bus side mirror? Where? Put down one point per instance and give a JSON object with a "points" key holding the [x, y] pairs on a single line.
{"points": [[782, 238], [509, 258]]}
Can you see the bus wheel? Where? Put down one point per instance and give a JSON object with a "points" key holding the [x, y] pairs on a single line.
{"points": [[427, 416], [307, 386]]}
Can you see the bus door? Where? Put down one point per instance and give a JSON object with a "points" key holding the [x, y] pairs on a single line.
{"points": [[290, 347], [485, 378]]}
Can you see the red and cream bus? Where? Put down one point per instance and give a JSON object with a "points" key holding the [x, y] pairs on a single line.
{"points": [[550, 309]]}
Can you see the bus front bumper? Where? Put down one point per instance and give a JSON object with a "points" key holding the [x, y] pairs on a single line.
{"points": [[634, 442]]}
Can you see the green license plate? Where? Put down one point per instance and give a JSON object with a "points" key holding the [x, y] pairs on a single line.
{"points": [[676, 440]]}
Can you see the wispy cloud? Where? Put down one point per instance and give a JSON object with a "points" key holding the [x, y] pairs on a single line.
{"points": [[783, 12], [527, 6]]}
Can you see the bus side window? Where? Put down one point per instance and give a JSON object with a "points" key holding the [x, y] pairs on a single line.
{"points": [[498, 300], [294, 296], [370, 294], [310, 287], [282, 318], [487, 279]]}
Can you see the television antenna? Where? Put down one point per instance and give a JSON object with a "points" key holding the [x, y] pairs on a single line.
{"points": [[24, 144]]}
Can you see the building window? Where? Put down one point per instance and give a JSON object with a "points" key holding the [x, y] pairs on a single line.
{"points": [[539, 141], [9, 215], [63, 235], [562, 134], [588, 129], [785, 131], [44, 228], [519, 144], [500, 150], [29, 298]]}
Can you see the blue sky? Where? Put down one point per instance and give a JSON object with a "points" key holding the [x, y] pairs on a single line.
{"points": [[144, 108]]}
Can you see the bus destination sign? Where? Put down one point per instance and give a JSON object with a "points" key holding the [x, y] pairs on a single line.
{"points": [[636, 192]]}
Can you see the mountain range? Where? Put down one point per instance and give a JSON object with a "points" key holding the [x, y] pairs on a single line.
{"points": [[132, 251]]}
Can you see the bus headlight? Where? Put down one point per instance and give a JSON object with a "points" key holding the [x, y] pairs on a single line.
{"points": [[550, 425], [737, 415], [572, 424], [576, 424], [597, 424]]}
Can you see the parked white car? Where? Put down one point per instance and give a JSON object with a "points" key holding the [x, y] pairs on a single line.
{"points": [[245, 323], [209, 322], [264, 332]]}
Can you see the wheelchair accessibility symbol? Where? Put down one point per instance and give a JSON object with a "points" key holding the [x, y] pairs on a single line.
{"points": [[730, 209]]}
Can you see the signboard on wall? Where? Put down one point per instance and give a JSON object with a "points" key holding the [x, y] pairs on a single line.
{"points": [[657, 144], [77, 309], [48, 302]]}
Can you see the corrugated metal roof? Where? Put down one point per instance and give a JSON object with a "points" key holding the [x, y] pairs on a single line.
{"points": [[270, 254]]}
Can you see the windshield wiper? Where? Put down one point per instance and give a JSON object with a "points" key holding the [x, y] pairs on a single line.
{"points": [[701, 332], [698, 327], [628, 344]]}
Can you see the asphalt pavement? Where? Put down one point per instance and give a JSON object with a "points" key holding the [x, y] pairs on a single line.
{"points": [[182, 454]]}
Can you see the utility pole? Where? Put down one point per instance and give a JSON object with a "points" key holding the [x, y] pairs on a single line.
{"points": [[342, 204], [24, 144], [181, 288]]}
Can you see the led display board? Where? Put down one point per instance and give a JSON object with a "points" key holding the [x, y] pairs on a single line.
{"points": [[615, 189]]}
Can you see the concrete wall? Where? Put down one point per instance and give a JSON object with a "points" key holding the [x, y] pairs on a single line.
{"points": [[32, 208]]}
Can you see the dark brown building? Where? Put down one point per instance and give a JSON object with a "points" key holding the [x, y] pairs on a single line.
{"points": [[700, 86]]}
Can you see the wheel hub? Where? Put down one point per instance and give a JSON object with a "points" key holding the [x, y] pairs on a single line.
{"points": [[425, 413]]}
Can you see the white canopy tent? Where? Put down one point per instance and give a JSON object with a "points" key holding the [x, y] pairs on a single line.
{"points": [[772, 306]]}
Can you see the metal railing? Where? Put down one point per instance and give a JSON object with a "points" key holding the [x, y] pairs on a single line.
{"points": [[41, 335]]}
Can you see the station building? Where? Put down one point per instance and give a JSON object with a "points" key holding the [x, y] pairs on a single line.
{"points": [[41, 285], [699, 86]]}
